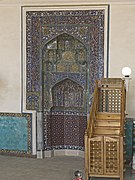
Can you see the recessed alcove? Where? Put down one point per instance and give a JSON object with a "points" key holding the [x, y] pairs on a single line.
{"points": [[67, 95]]}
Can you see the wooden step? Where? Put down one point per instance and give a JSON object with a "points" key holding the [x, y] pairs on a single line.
{"points": [[105, 115], [108, 135], [106, 131], [108, 123]]}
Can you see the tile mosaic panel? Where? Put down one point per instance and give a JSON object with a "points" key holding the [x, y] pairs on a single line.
{"points": [[129, 139], [63, 47], [67, 94], [76, 37], [65, 131], [15, 133]]}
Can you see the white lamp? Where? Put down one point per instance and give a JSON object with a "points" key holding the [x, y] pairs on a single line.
{"points": [[126, 71]]}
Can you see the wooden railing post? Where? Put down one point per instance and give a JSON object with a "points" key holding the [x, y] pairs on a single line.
{"points": [[86, 155], [121, 159]]}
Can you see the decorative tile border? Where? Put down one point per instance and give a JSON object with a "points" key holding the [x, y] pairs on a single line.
{"points": [[42, 27]]}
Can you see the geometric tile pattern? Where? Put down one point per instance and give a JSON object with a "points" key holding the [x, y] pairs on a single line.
{"points": [[65, 132]]}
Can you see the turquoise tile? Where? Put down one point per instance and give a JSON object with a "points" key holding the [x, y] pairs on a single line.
{"points": [[13, 133]]}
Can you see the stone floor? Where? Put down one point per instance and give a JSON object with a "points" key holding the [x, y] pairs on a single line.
{"points": [[55, 168]]}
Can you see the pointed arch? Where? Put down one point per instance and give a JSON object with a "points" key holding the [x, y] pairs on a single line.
{"points": [[66, 53], [67, 94]]}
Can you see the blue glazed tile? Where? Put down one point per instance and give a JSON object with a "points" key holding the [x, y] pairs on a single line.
{"points": [[13, 133]]}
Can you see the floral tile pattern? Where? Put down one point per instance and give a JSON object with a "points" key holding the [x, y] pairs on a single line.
{"points": [[65, 55]]}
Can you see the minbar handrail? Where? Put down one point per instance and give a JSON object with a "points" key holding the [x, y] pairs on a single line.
{"points": [[93, 111], [107, 84], [123, 107]]}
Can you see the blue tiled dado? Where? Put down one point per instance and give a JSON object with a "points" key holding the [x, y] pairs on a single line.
{"points": [[15, 133], [129, 139]]}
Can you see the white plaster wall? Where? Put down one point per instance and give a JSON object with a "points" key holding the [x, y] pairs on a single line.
{"points": [[10, 64], [121, 51], [122, 47]]}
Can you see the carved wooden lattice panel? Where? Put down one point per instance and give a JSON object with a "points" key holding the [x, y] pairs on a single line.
{"points": [[114, 100], [102, 100], [104, 156], [96, 155], [111, 156], [110, 100]]}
